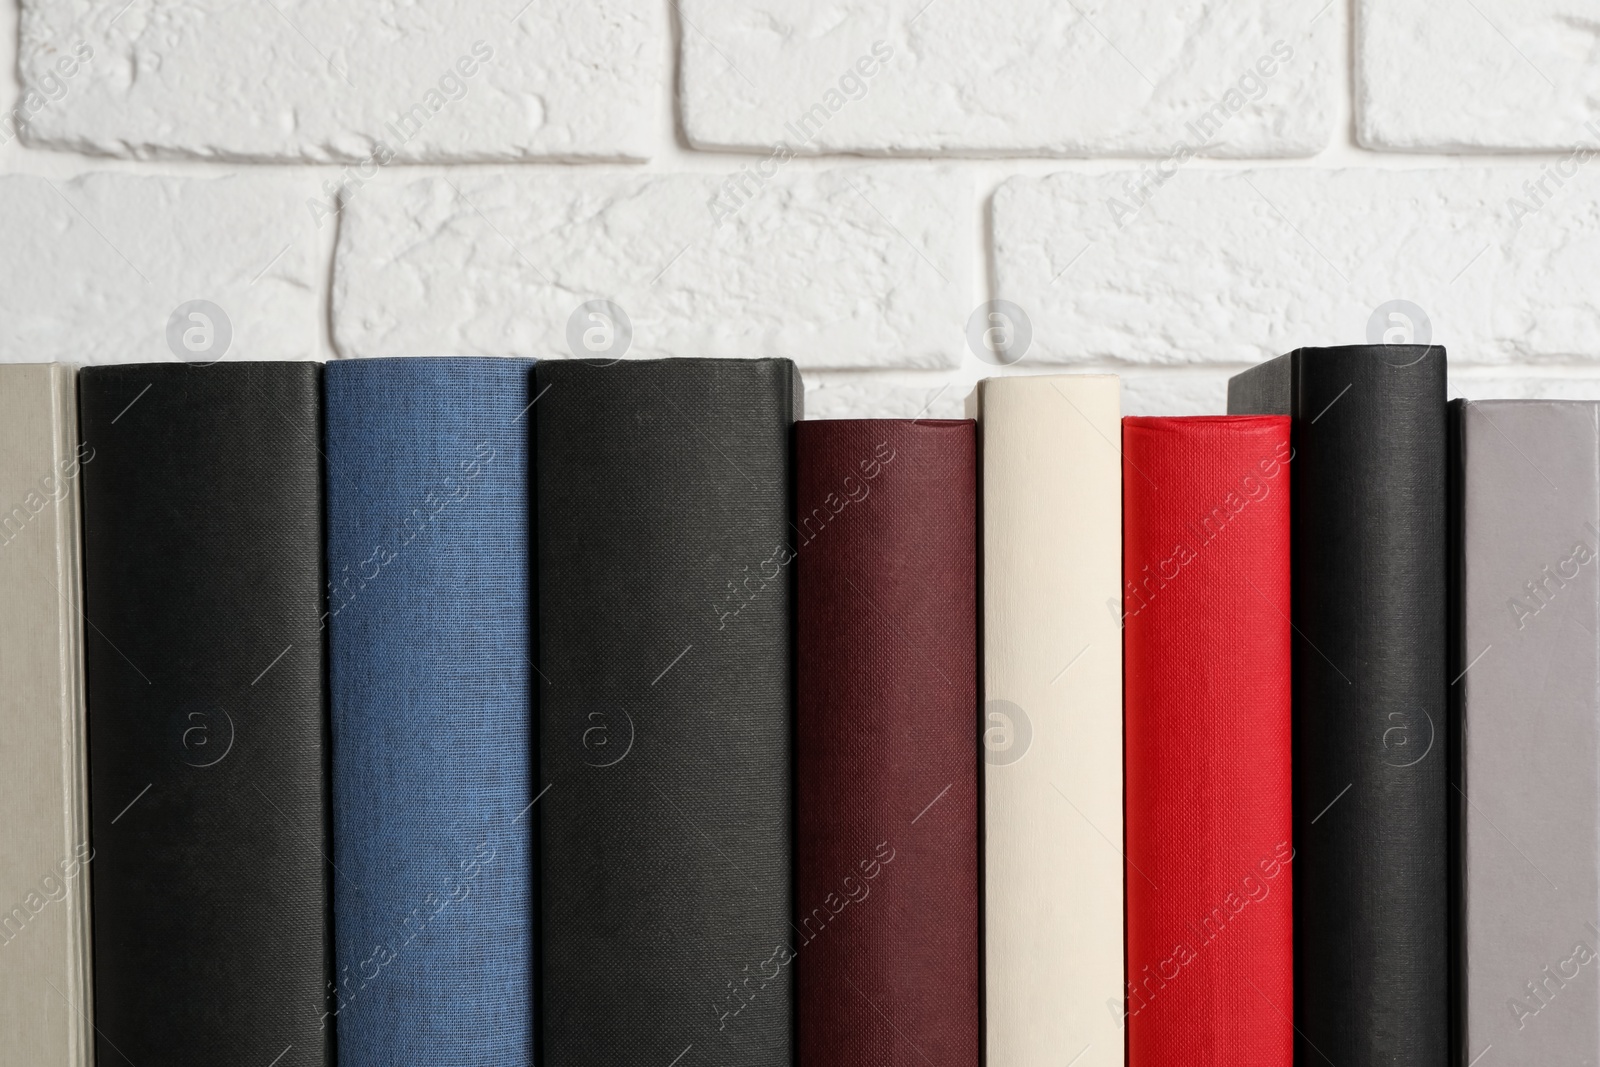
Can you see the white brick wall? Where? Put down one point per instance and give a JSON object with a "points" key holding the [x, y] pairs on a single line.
{"points": [[1009, 77], [1171, 189], [859, 268]]}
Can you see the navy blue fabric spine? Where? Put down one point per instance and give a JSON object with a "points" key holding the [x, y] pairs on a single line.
{"points": [[431, 709]]}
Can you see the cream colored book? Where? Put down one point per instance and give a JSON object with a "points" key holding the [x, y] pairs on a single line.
{"points": [[1052, 720], [46, 857]]}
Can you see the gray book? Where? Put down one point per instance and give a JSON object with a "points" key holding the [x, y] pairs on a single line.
{"points": [[1528, 789], [45, 851]]}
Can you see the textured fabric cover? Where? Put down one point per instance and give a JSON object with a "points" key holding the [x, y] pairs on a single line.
{"points": [[1052, 720], [431, 686], [44, 766], [1369, 554], [887, 783], [664, 629], [1206, 647], [1529, 598], [203, 590]]}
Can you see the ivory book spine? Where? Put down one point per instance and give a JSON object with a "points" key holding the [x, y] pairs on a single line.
{"points": [[45, 862], [1052, 720]]}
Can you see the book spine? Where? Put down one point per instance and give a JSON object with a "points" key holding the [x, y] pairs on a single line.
{"points": [[203, 579], [1371, 733], [1528, 790], [1207, 643], [429, 605], [887, 782], [1052, 720], [44, 865], [664, 567]]}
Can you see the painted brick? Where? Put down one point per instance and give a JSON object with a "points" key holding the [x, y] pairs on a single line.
{"points": [[1233, 267], [869, 395], [1489, 74], [1019, 77], [329, 80], [95, 266], [1565, 385], [864, 267], [1219, 269], [1197, 391]]}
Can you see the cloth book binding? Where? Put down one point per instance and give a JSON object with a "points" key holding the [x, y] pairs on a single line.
{"points": [[203, 579], [431, 682], [47, 854], [664, 565], [1206, 637], [887, 783], [1368, 530], [1052, 720], [1527, 670]]}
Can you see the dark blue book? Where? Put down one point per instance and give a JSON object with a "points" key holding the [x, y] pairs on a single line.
{"points": [[431, 691]]}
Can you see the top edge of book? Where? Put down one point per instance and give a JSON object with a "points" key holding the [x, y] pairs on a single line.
{"points": [[1032, 382], [433, 367], [391, 361], [1269, 387], [1531, 402], [1016, 378], [43, 371], [660, 361], [224, 368], [1201, 420], [1390, 353], [842, 423], [1394, 355]]}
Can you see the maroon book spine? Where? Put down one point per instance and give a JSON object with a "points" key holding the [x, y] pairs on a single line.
{"points": [[887, 923]]}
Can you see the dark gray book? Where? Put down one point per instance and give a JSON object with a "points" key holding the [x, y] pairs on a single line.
{"points": [[1528, 794], [208, 718], [1369, 542], [664, 564]]}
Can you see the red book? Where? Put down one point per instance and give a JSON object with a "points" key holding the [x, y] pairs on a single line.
{"points": [[886, 752], [1206, 643]]}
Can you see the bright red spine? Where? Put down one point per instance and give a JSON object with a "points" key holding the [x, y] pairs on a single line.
{"points": [[1206, 640]]}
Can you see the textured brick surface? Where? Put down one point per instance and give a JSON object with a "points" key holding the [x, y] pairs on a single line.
{"points": [[1175, 392], [1218, 267], [1011, 76], [427, 80], [863, 267], [1490, 74], [624, 118], [1510, 386], [95, 265], [868, 395]]}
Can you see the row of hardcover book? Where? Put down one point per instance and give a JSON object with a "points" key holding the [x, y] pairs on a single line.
{"points": [[454, 710]]}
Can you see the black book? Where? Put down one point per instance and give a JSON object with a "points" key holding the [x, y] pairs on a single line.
{"points": [[1370, 570], [664, 569], [204, 598]]}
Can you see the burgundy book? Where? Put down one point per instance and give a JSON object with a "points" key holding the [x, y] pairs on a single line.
{"points": [[886, 930]]}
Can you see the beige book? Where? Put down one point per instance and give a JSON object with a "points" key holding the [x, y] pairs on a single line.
{"points": [[1052, 720], [45, 858]]}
